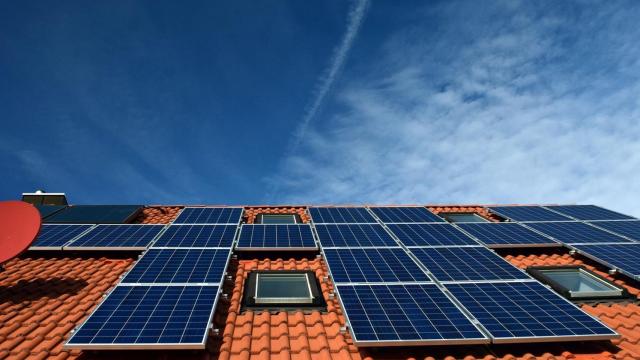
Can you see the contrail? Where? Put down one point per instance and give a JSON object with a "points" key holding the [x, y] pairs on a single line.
{"points": [[355, 19]]}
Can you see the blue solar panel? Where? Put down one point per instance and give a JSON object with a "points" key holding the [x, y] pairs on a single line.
{"points": [[372, 265], [405, 214], [630, 229], [197, 236], [55, 236], [528, 213], [341, 215], [527, 311], [48, 210], [576, 233], [354, 235], [430, 235], [466, 264], [95, 214], [263, 237], [179, 266], [117, 237], [417, 314], [220, 215], [505, 235], [623, 257], [149, 317], [589, 212]]}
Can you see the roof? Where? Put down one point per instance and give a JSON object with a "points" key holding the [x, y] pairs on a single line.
{"points": [[43, 297]]}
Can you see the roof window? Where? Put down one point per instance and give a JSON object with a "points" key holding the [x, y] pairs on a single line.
{"points": [[577, 283], [462, 217], [278, 219], [282, 290]]}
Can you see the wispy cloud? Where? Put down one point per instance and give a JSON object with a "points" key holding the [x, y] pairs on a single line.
{"points": [[340, 53], [492, 104]]}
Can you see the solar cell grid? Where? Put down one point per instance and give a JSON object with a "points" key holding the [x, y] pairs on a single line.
{"points": [[589, 212], [619, 256], [630, 229], [117, 237], [220, 215], [405, 214], [467, 264], [289, 236], [430, 235], [179, 266], [149, 317], [576, 232], [354, 235], [355, 265], [505, 235], [341, 215], [528, 213], [405, 314], [197, 236], [527, 310], [55, 236]]}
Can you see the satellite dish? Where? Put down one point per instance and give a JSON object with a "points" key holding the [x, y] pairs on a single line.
{"points": [[19, 225]]}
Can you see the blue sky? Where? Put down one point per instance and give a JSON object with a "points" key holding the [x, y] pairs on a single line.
{"points": [[328, 102]]}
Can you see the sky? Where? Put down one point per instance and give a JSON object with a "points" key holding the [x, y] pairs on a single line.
{"points": [[328, 102]]}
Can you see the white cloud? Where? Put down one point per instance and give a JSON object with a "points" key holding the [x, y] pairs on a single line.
{"points": [[502, 105]]}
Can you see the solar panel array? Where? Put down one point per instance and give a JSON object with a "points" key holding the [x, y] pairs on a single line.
{"points": [[405, 214], [53, 237], [527, 310], [190, 236], [149, 317], [589, 212], [467, 264], [341, 215], [95, 214], [168, 298], [623, 257], [360, 265], [271, 237], [630, 229], [576, 233], [354, 235], [505, 235], [116, 237], [528, 213], [209, 215], [430, 235]]}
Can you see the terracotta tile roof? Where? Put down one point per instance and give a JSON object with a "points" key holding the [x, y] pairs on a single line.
{"points": [[158, 215], [250, 213], [43, 298], [479, 210]]}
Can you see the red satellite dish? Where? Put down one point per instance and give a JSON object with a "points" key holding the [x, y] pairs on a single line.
{"points": [[19, 225]]}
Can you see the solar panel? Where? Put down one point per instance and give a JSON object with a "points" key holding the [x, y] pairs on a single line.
{"points": [[418, 314], [623, 257], [430, 235], [47, 210], [589, 212], [95, 214], [505, 235], [528, 213], [527, 311], [341, 215], [354, 235], [576, 232], [630, 229], [179, 266], [282, 237], [190, 236], [355, 265], [467, 264], [149, 317], [117, 237], [405, 214], [53, 237], [219, 215]]}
